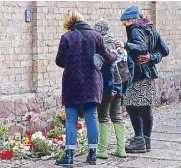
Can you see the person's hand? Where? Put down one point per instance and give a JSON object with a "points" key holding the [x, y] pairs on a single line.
{"points": [[119, 44], [144, 59], [113, 51]]}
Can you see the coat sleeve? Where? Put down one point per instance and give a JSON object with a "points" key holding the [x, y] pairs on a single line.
{"points": [[162, 50], [137, 43], [61, 55], [104, 52], [162, 46], [155, 58]]}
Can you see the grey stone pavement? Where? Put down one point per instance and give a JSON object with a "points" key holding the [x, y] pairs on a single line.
{"points": [[166, 146]]}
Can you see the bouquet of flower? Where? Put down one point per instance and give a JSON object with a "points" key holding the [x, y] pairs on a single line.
{"points": [[41, 143]]}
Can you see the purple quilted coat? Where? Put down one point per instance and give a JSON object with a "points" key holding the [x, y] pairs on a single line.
{"points": [[81, 83]]}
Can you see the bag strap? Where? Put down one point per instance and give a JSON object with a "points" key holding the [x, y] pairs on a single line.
{"points": [[83, 37]]}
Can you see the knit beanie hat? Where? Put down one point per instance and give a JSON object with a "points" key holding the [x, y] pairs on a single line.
{"points": [[130, 13], [102, 26]]}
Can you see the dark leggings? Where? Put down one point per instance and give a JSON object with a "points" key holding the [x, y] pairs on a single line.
{"points": [[141, 119]]}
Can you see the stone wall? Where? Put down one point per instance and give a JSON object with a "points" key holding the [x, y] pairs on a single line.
{"points": [[30, 82], [15, 49], [168, 23]]}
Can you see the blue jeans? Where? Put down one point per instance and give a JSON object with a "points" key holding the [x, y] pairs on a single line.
{"points": [[141, 119], [72, 112]]}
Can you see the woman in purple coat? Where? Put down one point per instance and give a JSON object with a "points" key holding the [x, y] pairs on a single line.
{"points": [[82, 85]]}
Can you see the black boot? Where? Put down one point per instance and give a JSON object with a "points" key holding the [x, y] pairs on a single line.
{"points": [[66, 159], [136, 145], [148, 143], [91, 158], [128, 141]]}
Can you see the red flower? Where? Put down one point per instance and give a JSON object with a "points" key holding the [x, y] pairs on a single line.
{"points": [[59, 138], [9, 154], [79, 126], [44, 133], [6, 154], [31, 144], [29, 134], [3, 154]]}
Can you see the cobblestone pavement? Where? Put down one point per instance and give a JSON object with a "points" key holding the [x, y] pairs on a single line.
{"points": [[166, 146]]}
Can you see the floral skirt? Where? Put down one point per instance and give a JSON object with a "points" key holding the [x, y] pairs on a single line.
{"points": [[141, 93]]}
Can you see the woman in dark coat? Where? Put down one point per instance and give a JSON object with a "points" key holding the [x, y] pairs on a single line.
{"points": [[82, 85], [146, 48]]}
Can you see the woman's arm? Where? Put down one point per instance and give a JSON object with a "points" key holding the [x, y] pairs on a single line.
{"points": [[152, 58], [61, 55], [137, 43], [155, 58]]}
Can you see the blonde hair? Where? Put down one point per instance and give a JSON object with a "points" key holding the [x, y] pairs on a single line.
{"points": [[70, 18]]}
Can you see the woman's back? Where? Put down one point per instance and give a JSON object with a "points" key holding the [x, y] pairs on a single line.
{"points": [[81, 82], [79, 62]]}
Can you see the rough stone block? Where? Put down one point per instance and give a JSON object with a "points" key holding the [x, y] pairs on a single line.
{"points": [[20, 107], [33, 105], [6, 108]]}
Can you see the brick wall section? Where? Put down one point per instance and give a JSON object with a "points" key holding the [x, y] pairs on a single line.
{"points": [[28, 49], [169, 25], [49, 27], [15, 49]]}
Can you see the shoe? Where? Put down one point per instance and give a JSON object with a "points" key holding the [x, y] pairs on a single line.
{"points": [[66, 159], [128, 141], [137, 145], [91, 158], [148, 143], [103, 141], [120, 150]]}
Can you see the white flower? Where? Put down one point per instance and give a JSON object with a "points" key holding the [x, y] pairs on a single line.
{"points": [[60, 142], [26, 148], [21, 146], [64, 137], [80, 131], [81, 122], [15, 148], [38, 135], [49, 142]]}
